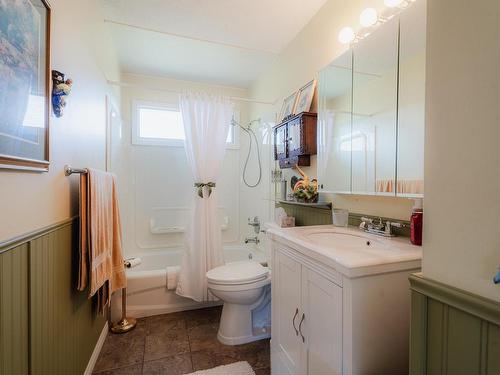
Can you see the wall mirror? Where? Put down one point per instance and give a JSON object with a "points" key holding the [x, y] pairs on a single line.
{"points": [[335, 124], [371, 112]]}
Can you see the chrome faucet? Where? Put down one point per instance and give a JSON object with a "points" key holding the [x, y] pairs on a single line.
{"points": [[254, 240], [379, 227], [255, 223]]}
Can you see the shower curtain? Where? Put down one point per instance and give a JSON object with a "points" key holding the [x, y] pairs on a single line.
{"points": [[206, 121]]}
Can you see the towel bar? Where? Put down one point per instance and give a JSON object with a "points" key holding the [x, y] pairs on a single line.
{"points": [[69, 170]]}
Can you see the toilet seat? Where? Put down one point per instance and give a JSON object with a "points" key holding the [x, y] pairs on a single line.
{"points": [[238, 273]]}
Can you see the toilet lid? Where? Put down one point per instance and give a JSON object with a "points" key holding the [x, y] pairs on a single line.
{"points": [[238, 273]]}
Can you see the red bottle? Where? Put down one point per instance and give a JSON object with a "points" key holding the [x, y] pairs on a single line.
{"points": [[416, 223]]}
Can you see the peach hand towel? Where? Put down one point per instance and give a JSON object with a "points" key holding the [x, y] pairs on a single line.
{"points": [[101, 260]]}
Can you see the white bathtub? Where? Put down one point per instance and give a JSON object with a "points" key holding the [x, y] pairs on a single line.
{"points": [[146, 283]]}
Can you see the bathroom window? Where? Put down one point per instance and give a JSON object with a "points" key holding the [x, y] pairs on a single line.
{"points": [[160, 124]]}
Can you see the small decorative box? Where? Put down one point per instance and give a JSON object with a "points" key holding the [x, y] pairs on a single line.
{"points": [[287, 222]]}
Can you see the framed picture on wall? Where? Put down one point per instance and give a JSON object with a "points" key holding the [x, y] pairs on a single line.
{"points": [[288, 106], [25, 84], [305, 97]]}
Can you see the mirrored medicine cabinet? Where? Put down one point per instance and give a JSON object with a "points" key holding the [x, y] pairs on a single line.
{"points": [[371, 112]]}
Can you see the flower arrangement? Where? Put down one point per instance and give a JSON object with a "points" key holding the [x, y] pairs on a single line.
{"points": [[305, 190]]}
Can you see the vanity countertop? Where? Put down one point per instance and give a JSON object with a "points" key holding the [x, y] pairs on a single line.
{"points": [[350, 251]]}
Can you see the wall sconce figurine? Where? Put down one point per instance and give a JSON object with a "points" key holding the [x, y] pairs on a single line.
{"points": [[61, 88]]}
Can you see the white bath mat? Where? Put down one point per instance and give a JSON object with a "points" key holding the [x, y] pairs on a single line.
{"points": [[238, 368]]}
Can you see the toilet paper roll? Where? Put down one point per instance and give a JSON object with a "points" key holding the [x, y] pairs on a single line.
{"points": [[132, 262]]}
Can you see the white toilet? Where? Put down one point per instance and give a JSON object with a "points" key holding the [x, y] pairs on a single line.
{"points": [[244, 287]]}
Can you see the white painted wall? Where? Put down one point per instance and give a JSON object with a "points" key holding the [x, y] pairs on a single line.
{"points": [[155, 181], [462, 183], [312, 49], [81, 48]]}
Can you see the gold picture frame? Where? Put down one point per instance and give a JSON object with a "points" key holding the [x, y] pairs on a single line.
{"points": [[287, 109], [305, 97], [26, 109]]}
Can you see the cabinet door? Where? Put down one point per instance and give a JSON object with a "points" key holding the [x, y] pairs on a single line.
{"points": [[321, 326], [411, 108], [280, 142], [286, 314], [295, 137]]}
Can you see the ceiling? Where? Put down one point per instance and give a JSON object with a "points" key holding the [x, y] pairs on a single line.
{"points": [[225, 42]]}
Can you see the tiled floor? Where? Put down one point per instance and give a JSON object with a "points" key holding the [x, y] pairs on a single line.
{"points": [[177, 343]]}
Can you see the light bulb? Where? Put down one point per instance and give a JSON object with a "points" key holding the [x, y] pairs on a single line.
{"points": [[392, 3], [346, 35], [368, 17]]}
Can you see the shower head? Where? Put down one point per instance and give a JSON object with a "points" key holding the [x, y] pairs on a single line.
{"points": [[252, 138]]}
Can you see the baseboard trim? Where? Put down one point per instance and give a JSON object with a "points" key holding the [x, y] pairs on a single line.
{"points": [[97, 350]]}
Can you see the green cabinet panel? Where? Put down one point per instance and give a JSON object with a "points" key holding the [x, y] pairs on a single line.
{"points": [[452, 332], [47, 327], [14, 311]]}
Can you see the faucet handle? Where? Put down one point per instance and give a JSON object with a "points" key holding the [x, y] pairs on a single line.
{"points": [[365, 221], [390, 224]]}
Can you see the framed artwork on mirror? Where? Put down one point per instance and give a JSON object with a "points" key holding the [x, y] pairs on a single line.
{"points": [[305, 97], [25, 84], [288, 106]]}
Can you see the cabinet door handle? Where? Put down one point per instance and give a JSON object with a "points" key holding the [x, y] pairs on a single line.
{"points": [[300, 327], [293, 321]]}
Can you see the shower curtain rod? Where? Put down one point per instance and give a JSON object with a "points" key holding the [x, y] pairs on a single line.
{"points": [[236, 98]]}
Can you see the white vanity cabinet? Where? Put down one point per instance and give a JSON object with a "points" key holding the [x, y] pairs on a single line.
{"points": [[329, 320], [307, 319]]}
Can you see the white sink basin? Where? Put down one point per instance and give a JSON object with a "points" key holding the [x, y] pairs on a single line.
{"points": [[346, 241], [350, 250]]}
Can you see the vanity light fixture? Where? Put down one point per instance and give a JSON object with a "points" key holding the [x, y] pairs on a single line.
{"points": [[346, 35], [368, 17]]}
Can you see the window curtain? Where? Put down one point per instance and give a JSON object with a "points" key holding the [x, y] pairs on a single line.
{"points": [[206, 121]]}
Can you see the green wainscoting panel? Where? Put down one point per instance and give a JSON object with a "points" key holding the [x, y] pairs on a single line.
{"points": [[452, 331], [417, 336], [57, 326], [305, 216], [493, 347], [14, 307]]}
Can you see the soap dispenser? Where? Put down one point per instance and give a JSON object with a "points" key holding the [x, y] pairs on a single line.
{"points": [[416, 223]]}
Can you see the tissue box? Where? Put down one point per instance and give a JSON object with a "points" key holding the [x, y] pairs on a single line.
{"points": [[287, 222]]}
